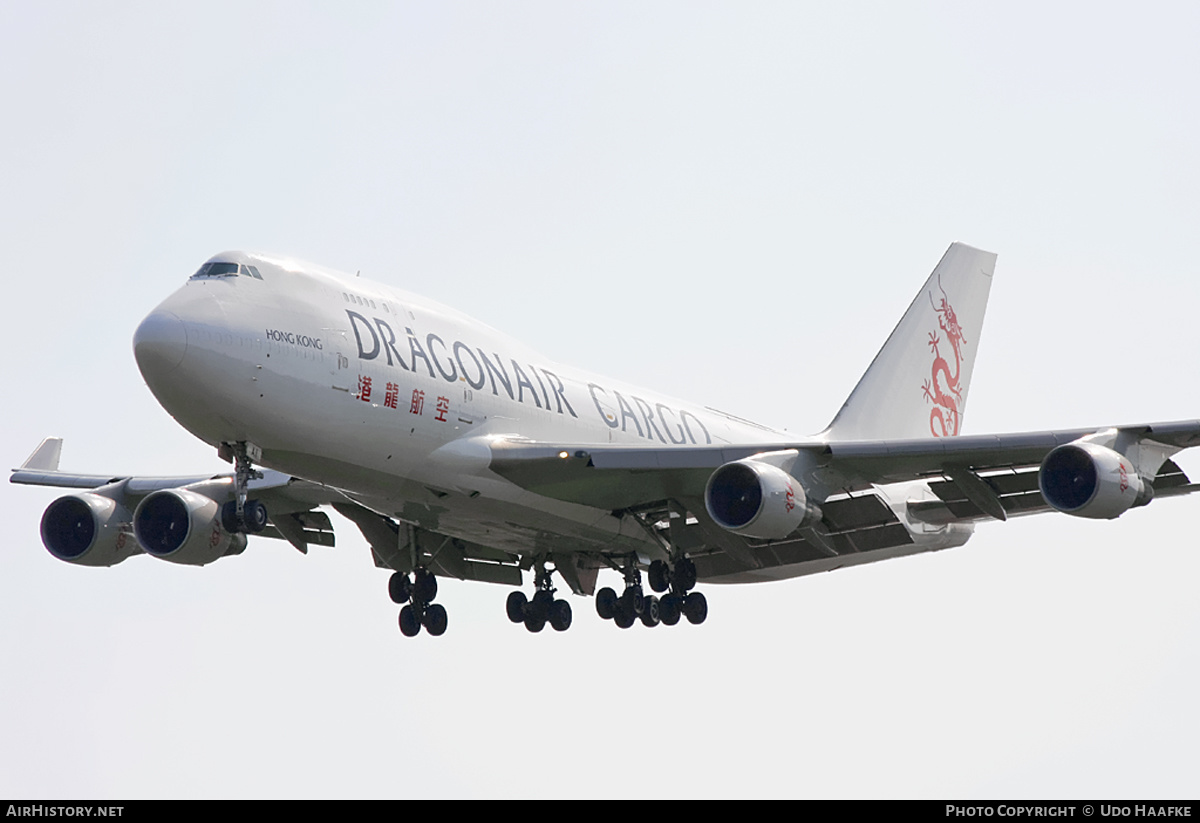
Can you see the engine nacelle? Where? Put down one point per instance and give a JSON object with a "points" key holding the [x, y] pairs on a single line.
{"points": [[757, 499], [1087, 480], [88, 529], [184, 527]]}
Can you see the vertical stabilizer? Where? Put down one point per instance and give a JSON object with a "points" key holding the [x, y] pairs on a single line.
{"points": [[917, 385]]}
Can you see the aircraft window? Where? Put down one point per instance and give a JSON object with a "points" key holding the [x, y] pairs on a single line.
{"points": [[216, 270], [253, 272]]}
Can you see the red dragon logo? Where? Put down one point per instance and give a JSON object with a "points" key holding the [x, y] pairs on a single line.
{"points": [[942, 388]]}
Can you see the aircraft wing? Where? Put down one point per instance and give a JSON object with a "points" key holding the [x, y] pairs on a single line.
{"points": [[291, 503], [617, 477], [965, 479]]}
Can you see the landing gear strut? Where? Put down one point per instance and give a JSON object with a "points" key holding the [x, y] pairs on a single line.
{"points": [[242, 515], [542, 609], [419, 610]]}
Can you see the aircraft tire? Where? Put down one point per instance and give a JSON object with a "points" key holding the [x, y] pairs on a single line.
{"points": [[541, 600], [255, 514], [685, 575], [670, 609], [410, 626], [660, 576], [535, 622], [695, 608], [424, 585], [650, 612], [560, 615], [436, 620], [229, 517], [399, 589], [606, 603], [515, 606]]}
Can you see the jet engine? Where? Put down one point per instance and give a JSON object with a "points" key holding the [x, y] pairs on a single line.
{"points": [[757, 499], [184, 527], [88, 529], [1087, 480]]}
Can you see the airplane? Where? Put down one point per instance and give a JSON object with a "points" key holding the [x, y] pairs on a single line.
{"points": [[460, 453]]}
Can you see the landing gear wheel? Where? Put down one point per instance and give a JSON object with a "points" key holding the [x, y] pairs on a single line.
{"points": [[410, 626], [229, 520], [606, 603], [255, 514], [399, 589], [515, 606], [632, 600], [541, 607], [542, 600], [651, 613], [534, 621], [435, 620], [660, 576], [684, 577], [560, 615], [670, 609], [695, 607], [624, 618], [424, 586]]}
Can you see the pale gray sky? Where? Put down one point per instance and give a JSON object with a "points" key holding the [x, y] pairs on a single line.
{"points": [[731, 202]]}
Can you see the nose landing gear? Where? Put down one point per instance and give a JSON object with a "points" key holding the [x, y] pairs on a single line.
{"points": [[242, 515]]}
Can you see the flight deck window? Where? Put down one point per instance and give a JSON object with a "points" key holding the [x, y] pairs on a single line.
{"points": [[216, 270], [226, 270]]}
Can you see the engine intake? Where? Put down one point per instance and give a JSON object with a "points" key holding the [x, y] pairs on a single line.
{"points": [[184, 527], [1087, 480], [88, 529], [757, 499]]}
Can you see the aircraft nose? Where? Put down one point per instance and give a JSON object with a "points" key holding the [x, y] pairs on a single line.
{"points": [[159, 344]]}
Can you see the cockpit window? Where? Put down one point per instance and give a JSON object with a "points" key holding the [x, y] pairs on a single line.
{"points": [[226, 270]]}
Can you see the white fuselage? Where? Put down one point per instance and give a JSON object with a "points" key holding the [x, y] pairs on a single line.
{"points": [[393, 399]]}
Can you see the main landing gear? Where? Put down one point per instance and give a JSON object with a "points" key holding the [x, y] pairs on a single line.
{"points": [[417, 594], [240, 514], [632, 605], [542, 609]]}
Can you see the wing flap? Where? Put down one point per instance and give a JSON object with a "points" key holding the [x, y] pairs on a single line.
{"points": [[402, 546], [301, 529]]}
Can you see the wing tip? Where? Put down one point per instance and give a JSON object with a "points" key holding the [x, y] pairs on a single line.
{"points": [[45, 457]]}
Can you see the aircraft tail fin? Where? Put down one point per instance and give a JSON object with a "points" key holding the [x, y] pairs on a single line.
{"points": [[917, 385]]}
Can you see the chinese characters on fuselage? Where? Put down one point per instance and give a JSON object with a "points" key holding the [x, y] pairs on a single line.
{"points": [[456, 361]]}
